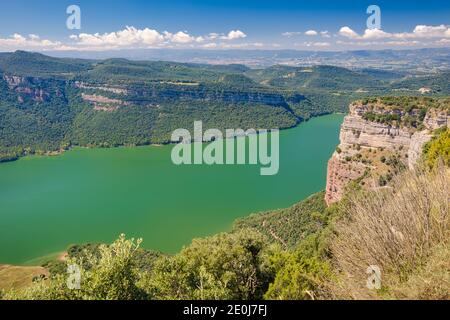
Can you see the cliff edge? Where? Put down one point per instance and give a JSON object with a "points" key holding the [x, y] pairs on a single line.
{"points": [[381, 136]]}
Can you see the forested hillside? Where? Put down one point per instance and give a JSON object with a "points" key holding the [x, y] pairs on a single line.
{"points": [[49, 104]]}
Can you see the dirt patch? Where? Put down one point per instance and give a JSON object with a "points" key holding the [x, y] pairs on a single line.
{"points": [[15, 277]]}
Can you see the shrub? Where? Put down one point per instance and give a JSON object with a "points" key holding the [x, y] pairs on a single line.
{"points": [[395, 229], [225, 266], [112, 276], [300, 278], [438, 149]]}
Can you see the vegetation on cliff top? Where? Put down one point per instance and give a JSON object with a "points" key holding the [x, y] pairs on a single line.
{"points": [[402, 111]]}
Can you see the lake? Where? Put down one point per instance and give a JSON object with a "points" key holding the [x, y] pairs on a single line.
{"points": [[93, 195]]}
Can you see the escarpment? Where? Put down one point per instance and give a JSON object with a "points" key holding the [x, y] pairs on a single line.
{"points": [[380, 137]]}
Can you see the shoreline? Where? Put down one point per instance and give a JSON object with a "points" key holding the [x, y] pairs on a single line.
{"points": [[60, 152]]}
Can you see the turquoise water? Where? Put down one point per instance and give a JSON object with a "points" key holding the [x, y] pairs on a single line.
{"points": [[93, 195]]}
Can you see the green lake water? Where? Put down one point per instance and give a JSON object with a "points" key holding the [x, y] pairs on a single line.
{"points": [[93, 195]]}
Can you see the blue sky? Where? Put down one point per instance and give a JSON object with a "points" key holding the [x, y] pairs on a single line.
{"points": [[255, 24]]}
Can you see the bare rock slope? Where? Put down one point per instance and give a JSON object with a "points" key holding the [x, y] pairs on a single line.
{"points": [[378, 137]]}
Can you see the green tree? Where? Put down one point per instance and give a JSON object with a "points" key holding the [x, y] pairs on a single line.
{"points": [[112, 276], [438, 149], [225, 266]]}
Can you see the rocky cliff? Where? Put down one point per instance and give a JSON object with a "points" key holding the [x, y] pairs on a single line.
{"points": [[378, 138]]}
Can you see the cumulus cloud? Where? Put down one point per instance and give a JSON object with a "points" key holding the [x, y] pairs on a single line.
{"points": [[348, 33], [311, 33], [234, 34], [419, 32], [182, 37], [422, 31], [17, 41], [129, 37]]}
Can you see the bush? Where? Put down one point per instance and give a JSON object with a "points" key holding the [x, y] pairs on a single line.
{"points": [[225, 266], [438, 149], [113, 276], [395, 229], [300, 278]]}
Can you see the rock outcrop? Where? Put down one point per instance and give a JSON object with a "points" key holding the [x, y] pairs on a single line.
{"points": [[369, 149]]}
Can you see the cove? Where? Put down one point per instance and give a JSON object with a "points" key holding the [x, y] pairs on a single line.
{"points": [[93, 195]]}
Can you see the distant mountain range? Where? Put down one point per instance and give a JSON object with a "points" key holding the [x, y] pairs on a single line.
{"points": [[418, 60]]}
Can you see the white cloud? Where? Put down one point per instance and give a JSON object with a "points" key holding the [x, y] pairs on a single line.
{"points": [[210, 45], [234, 34], [348, 33], [311, 33], [245, 45], [179, 37], [419, 32], [377, 43], [444, 42], [402, 43], [130, 36], [291, 33], [422, 31], [213, 35], [32, 42], [317, 44], [375, 34]]}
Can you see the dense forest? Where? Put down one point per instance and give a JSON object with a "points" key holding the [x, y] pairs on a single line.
{"points": [[50, 104]]}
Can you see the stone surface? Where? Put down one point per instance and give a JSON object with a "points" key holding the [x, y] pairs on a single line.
{"points": [[355, 131]]}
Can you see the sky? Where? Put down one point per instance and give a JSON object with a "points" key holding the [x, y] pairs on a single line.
{"points": [[217, 24]]}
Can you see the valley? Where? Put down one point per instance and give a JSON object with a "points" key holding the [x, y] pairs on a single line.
{"points": [[52, 104], [108, 124]]}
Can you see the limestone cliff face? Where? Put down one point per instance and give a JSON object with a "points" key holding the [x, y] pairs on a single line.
{"points": [[32, 88], [370, 149]]}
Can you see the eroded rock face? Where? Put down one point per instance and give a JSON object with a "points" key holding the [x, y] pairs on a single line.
{"points": [[13, 81], [339, 174], [27, 88], [102, 103], [359, 136], [356, 130], [436, 119], [418, 140]]}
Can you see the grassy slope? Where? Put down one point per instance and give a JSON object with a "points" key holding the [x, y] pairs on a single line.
{"points": [[18, 277], [289, 226]]}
